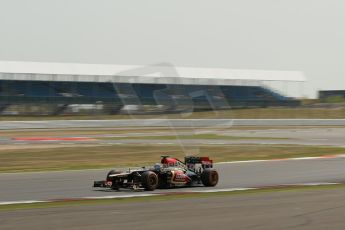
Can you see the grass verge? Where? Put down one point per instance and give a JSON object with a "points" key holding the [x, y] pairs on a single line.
{"points": [[252, 113], [91, 157], [209, 136]]}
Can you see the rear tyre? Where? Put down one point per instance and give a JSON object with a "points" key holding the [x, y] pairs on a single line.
{"points": [[209, 177], [149, 180]]}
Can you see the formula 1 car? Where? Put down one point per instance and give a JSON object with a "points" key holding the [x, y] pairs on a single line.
{"points": [[169, 173]]}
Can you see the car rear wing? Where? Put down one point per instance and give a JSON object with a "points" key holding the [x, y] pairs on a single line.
{"points": [[205, 162]]}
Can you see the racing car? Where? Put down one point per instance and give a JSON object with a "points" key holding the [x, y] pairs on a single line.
{"points": [[169, 173]]}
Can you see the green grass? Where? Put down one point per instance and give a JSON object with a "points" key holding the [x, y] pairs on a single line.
{"points": [[48, 158], [63, 204], [88, 132], [254, 113], [209, 136]]}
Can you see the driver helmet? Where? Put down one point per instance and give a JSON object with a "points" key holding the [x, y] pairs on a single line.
{"points": [[157, 166]]}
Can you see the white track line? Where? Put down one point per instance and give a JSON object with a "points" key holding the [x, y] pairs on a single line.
{"points": [[24, 202], [312, 184], [224, 190], [119, 196], [285, 159]]}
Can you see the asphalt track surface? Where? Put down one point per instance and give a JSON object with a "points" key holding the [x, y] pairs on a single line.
{"points": [[305, 209], [76, 184], [316, 209]]}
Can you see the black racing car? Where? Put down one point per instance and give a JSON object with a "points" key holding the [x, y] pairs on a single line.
{"points": [[171, 172]]}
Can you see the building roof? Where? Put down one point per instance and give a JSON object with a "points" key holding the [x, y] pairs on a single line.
{"points": [[167, 74]]}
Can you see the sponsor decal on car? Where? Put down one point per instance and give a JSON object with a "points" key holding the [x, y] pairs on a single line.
{"points": [[179, 177]]}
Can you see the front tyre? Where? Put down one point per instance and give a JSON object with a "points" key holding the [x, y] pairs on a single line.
{"points": [[209, 177], [112, 172], [149, 180], [114, 186]]}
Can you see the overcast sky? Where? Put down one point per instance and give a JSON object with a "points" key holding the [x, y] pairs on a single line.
{"points": [[306, 35]]}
